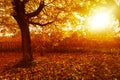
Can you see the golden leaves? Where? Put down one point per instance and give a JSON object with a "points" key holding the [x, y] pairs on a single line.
{"points": [[75, 66]]}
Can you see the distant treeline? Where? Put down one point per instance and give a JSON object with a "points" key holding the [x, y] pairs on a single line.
{"points": [[66, 45]]}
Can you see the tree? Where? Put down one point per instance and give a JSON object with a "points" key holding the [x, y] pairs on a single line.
{"points": [[23, 20]]}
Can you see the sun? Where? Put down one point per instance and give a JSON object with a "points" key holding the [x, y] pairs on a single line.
{"points": [[100, 19]]}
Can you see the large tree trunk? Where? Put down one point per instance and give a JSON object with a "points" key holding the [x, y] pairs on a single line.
{"points": [[22, 21], [26, 44], [26, 41]]}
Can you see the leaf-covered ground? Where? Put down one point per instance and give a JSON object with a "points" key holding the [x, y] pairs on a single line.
{"points": [[63, 66]]}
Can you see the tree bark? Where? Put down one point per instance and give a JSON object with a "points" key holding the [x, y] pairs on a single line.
{"points": [[22, 21], [26, 41]]}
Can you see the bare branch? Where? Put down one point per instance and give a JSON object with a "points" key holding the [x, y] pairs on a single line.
{"points": [[35, 23], [35, 13]]}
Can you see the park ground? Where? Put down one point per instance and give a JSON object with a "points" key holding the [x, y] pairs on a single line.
{"points": [[83, 63], [65, 66]]}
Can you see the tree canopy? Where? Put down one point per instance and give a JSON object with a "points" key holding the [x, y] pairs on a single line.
{"points": [[63, 12]]}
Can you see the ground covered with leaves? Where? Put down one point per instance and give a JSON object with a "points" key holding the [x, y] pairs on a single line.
{"points": [[63, 66]]}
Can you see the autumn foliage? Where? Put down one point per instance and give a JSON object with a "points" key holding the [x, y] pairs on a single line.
{"points": [[77, 66]]}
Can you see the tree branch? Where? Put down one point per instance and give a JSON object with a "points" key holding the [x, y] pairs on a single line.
{"points": [[36, 12], [25, 1], [35, 23]]}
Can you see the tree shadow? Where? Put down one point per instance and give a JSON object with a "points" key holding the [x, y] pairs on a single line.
{"points": [[24, 64], [20, 64]]}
